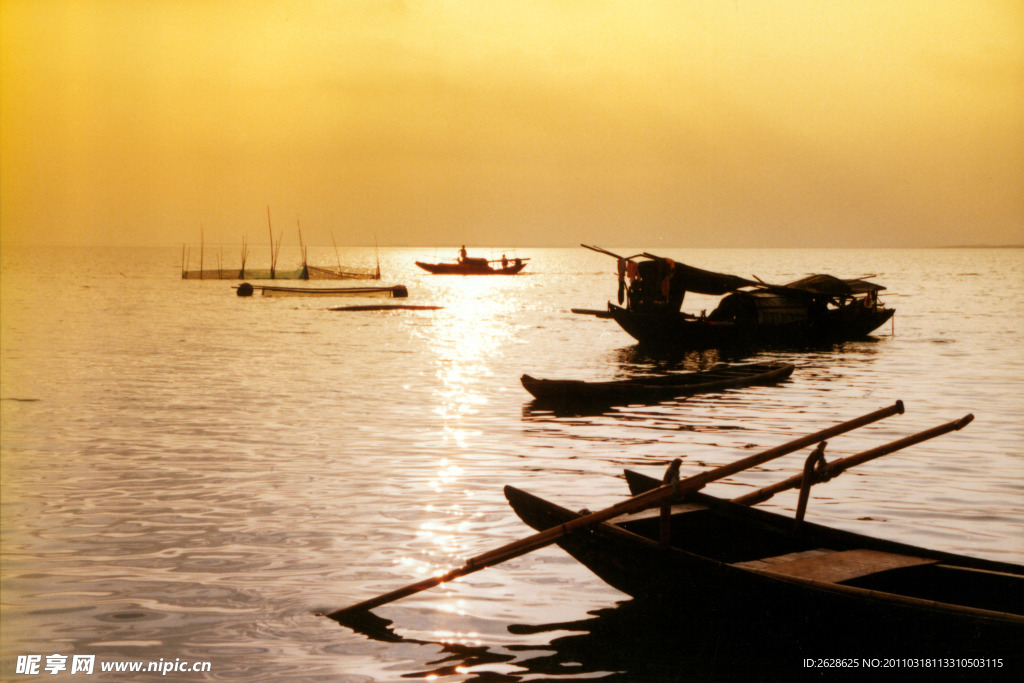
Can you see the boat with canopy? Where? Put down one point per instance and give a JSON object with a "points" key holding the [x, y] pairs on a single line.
{"points": [[817, 309]]}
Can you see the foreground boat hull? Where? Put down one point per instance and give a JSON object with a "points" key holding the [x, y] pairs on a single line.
{"points": [[946, 604], [675, 330]]}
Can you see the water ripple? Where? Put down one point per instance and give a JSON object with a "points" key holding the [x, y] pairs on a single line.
{"points": [[187, 474]]}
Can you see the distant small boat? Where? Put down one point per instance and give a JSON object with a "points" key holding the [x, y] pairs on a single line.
{"points": [[466, 265], [395, 292], [653, 389]]}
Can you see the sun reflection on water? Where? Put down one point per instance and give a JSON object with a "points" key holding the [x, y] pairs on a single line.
{"points": [[465, 345]]}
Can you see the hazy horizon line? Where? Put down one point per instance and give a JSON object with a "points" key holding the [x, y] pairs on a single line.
{"points": [[455, 246]]}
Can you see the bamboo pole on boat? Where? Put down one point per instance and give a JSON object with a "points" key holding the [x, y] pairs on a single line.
{"points": [[648, 499], [601, 250]]}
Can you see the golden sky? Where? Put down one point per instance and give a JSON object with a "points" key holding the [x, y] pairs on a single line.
{"points": [[528, 123]]}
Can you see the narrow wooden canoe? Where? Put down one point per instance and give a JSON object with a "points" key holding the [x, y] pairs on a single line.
{"points": [[729, 563], [653, 389], [396, 292], [385, 307]]}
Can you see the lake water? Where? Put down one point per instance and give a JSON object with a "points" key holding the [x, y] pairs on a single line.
{"points": [[189, 476]]}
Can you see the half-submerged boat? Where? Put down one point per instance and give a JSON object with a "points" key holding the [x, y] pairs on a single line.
{"points": [[653, 389], [727, 562], [818, 309], [394, 292], [466, 265]]}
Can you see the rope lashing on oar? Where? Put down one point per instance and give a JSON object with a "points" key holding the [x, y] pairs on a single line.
{"points": [[814, 466]]}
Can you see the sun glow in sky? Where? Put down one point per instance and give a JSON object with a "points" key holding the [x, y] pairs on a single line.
{"points": [[529, 123]]}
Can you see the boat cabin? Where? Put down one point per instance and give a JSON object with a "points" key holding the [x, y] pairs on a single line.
{"points": [[474, 262], [760, 308]]}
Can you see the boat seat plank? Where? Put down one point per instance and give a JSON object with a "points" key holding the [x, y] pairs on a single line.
{"points": [[834, 566], [655, 513], [769, 562]]}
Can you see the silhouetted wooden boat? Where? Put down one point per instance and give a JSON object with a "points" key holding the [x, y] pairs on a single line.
{"points": [[396, 291], [817, 309], [663, 387], [386, 307], [475, 266], [724, 560]]}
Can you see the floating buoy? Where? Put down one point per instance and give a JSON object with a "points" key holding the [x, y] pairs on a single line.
{"points": [[245, 289]]}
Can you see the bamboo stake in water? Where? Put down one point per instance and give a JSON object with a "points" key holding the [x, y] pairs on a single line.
{"points": [[273, 256]]}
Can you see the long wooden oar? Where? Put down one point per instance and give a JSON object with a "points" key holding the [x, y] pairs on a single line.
{"points": [[640, 502], [639, 483], [834, 469]]}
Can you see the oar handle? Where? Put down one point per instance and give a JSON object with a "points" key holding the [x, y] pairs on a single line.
{"points": [[639, 502]]}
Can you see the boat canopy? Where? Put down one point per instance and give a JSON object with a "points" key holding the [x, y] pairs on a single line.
{"points": [[689, 279], [707, 282], [833, 286]]}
